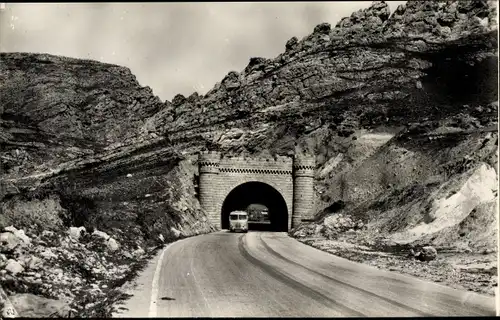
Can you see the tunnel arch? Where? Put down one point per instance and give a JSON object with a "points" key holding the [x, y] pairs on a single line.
{"points": [[256, 192]]}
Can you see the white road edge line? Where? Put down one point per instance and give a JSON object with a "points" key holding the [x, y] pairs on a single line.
{"points": [[154, 288]]}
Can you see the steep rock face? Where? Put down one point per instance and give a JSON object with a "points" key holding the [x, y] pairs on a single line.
{"points": [[56, 104], [80, 98], [64, 125], [89, 133], [359, 74]]}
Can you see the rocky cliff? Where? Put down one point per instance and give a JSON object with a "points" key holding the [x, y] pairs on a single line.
{"points": [[396, 107]]}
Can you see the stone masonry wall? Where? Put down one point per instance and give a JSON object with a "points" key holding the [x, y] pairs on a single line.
{"points": [[220, 175]]}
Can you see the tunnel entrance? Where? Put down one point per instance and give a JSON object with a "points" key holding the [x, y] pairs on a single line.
{"points": [[261, 197]]}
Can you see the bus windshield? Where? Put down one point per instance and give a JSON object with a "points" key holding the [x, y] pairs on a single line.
{"points": [[238, 217]]}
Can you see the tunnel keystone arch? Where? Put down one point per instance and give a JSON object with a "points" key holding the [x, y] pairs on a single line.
{"points": [[293, 179], [259, 194]]}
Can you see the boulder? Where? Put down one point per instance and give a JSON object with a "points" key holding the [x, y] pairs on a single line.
{"points": [[427, 253], [330, 221], [101, 234], [31, 306], [339, 221], [138, 252], [112, 244], [8, 241], [76, 232], [300, 233], [19, 233], [14, 267]]}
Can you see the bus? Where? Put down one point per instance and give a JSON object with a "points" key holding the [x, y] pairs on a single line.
{"points": [[238, 221]]}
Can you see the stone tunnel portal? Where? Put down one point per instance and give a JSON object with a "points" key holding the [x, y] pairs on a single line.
{"points": [[282, 184], [257, 193]]}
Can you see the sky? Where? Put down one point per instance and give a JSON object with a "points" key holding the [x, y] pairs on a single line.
{"points": [[171, 47]]}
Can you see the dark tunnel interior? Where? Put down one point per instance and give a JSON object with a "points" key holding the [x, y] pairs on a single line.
{"points": [[257, 193]]}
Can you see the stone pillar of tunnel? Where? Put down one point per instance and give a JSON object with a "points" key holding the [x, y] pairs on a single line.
{"points": [[303, 188], [208, 185]]}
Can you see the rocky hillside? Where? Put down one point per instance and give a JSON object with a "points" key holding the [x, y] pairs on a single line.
{"points": [[399, 109]]}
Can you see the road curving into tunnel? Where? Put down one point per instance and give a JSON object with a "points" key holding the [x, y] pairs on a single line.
{"points": [[268, 274]]}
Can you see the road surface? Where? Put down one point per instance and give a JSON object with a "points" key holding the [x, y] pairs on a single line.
{"points": [[261, 274]]}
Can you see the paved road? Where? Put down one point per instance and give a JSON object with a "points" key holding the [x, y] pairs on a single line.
{"points": [[269, 274]]}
